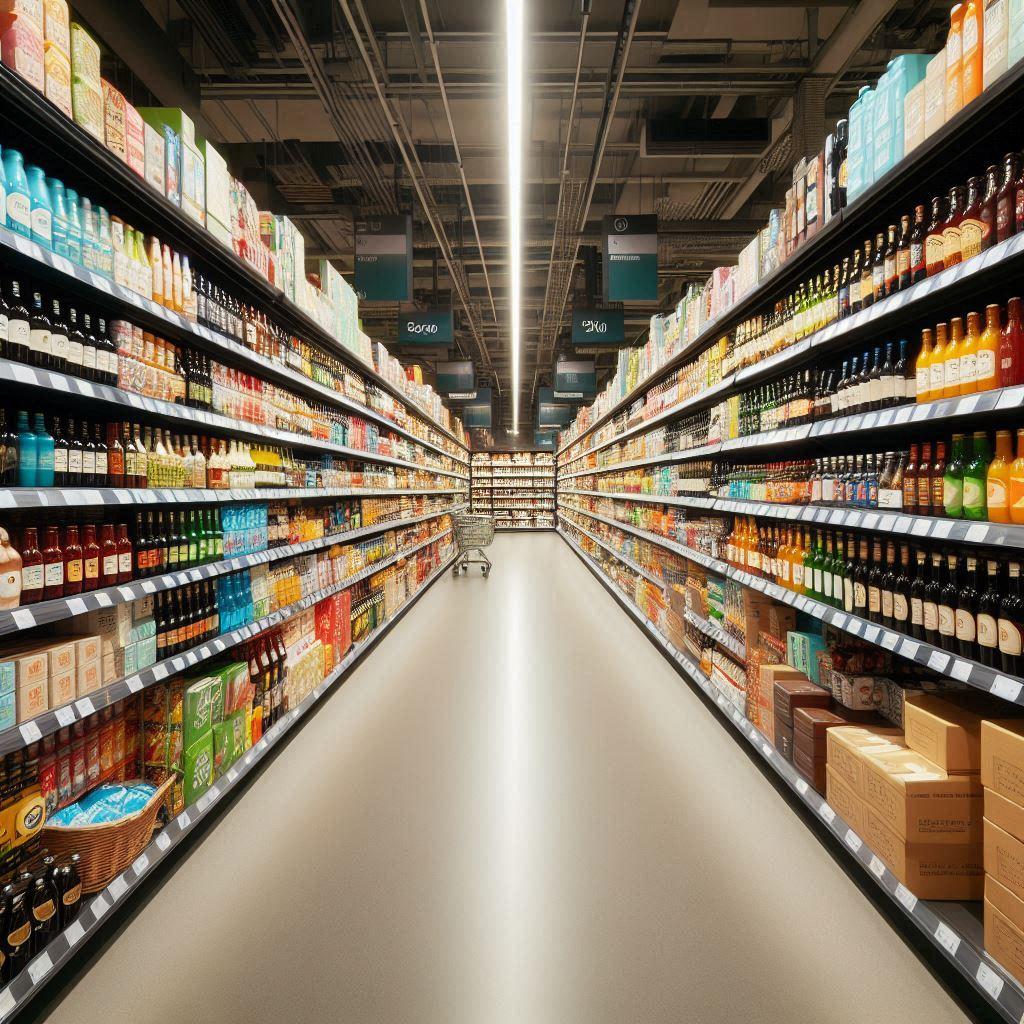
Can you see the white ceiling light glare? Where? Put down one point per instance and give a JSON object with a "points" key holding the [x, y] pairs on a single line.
{"points": [[514, 51]]}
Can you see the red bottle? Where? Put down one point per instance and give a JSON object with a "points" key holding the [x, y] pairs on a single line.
{"points": [[31, 567], [1010, 343], [125, 554], [115, 457], [108, 556], [90, 558], [74, 572], [53, 565]]}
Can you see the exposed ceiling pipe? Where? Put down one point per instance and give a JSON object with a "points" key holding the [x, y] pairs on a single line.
{"points": [[407, 149], [458, 153]]}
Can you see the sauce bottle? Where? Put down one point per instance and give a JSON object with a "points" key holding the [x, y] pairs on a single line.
{"points": [[1010, 346], [988, 207], [53, 565], [69, 887], [969, 355], [988, 350], [125, 554], [997, 488], [934, 248], [31, 567], [90, 557], [1005, 225], [74, 572], [972, 229], [10, 572], [17, 938], [938, 475], [108, 556], [45, 916], [1017, 482], [923, 367], [970, 61], [951, 242], [951, 366]]}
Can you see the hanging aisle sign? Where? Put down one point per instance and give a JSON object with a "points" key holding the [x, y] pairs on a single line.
{"points": [[384, 259], [457, 381], [552, 412], [478, 412], [595, 328], [575, 381], [630, 258], [544, 439], [434, 327]]}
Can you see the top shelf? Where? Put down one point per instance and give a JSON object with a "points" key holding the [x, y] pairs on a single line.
{"points": [[942, 156], [66, 150]]}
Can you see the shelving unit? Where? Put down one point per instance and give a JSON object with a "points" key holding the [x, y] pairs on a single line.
{"points": [[516, 488], [634, 502]]}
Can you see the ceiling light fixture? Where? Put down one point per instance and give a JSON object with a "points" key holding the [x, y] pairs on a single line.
{"points": [[514, 50]]}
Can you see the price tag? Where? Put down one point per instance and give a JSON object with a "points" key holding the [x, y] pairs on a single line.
{"points": [[1010, 398], [947, 938], [29, 732], [839, 620], [909, 648], [976, 533], [40, 967], [989, 981], [961, 670], [1006, 688], [184, 820], [65, 716], [801, 787], [938, 661], [163, 841], [827, 813], [117, 888], [852, 840], [889, 640], [140, 865], [74, 933], [871, 633], [767, 749], [967, 405], [906, 897], [877, 867]]}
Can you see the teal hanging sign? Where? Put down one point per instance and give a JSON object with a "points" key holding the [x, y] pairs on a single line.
{"points": [[434, 327], [630, 258], [575, 380], [597, 328], [384, 259]]}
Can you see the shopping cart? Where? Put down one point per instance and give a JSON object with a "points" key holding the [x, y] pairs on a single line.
{"points": [[472, 533]]}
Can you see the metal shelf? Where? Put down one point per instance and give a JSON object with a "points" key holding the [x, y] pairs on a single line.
{"points": [[911, 527], [719, 635], [58, 718], [985, 117], [965, 670], [43, 969], [65, 384], [984, 975], [99, 289], [57, 143], [47, 612]]}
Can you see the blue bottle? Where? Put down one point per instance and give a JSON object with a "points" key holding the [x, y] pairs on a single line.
{"points": [[74, 226], [44, 453], [27, 452], [19, 201], [42, 209], [90, 239], [60, 217], [104, 245]]}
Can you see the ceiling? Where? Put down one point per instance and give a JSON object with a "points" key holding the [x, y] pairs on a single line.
{"points": [[330, 109]]}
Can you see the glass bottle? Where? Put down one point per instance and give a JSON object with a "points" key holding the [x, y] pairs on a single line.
{"points": [[972, 227], [951, 242], [975, 476], [997, 488], [1005, 226], [989, 343], [937, 365], [74, 570], [1011, 623], [1010, 352], [32, 567], [934, 244], [918, 234], [1017, 482], [953, 479], [968, 365], [988, 616], [951, 366]]}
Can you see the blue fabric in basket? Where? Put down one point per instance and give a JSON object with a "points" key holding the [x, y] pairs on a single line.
{"points": [[109, 802]]}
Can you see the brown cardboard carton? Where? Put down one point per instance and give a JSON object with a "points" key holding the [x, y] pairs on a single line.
{"points": [[60, 657], [942, 732], [1004, 858], [88, 678], [920, 802], [931, 871], [63, 688], [781, 619], [784, 738], [811, 768], [1002, 757], [844, 801], [1007, 903], [1004, 940], [31, 668], [791, 694], [33, 699], [844, 747], [1004, 813], [87, 648], [772, 674]]}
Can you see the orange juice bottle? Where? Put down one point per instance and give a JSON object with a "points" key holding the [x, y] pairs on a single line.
{"points": [[938, 363], [923, 367], [796, 559], [1017, 482], [954, 61], [988, 350], [951, 366], [971, 56], [997, 487], [969, 355], [782, 557]]}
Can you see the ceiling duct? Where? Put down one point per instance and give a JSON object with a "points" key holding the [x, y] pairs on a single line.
{"points": [[704, 136]]}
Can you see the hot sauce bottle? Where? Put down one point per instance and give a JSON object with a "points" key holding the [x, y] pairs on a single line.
{"points": [[53, 565], [31, 567], [951, 366], [988, 207], [90, 557], [971, 75], [125, 554], [969, 355], [115, 457], [1010, 346], [952, 253], [1005, 226], [988, 350], [108, 556], [73, 569], [934, 248]]}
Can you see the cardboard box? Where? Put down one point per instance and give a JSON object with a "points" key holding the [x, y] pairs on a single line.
{"points": [[1008, 815], [1004, 937], [948, 735], [913, 118], [32, 700], [920, 802], [844, 801], [1002, 757], [791, 694], [846, 744], [31, 668], [60, 657], [63, 688], [8, 710], [935, 93], [811, 768], [88, 678], [174, 118], [7, 682], [931, 871], [1004, 858], [802, 652], [153, 142], [87, 648]]}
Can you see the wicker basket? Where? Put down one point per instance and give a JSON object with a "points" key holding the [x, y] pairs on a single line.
{"points": [[105, 850]]}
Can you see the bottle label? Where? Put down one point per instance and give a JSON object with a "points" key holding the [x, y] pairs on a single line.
{"points": [[952, 493], [101, 465], [860, 595], [816, 577], [985, 367], [951, 373], [947, 620], [110, 565], [902, 262], [92, 568], [89, 357], [965, 626], [74, 570], [890, 498], [124, 562], [44, 911], [900, 611], [887, 604], [916, 611], [874, 600], [31, 577], [39, 341], [951, 246], [931, 617], [995, 492], [935, 250], [937, 377], [988, 630], [875, 391], [798, 576], [19, 210], [60, 459], [973, 491], [74, 353], [968, 368], [89, 463], [970, 35], [72, 896], [74, 460], [54, 574], [42, 224], [971, 238], [1009, 637], [19, 936]]}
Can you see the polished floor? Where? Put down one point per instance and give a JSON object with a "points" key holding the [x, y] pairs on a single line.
{"points": [[513, 812]]}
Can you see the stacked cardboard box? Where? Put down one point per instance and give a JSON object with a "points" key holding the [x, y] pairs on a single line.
{"points": [[126, 637], [916, 797]]}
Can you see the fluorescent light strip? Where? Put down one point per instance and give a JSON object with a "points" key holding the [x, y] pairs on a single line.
{"points": [[514, 31]]}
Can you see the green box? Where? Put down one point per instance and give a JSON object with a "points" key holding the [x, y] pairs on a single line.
{"points": [[197, 715], [229, 741], [174, 118], [197, 768]]}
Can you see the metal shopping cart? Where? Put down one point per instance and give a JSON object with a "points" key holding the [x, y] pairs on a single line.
{"points": [[472, 533]]}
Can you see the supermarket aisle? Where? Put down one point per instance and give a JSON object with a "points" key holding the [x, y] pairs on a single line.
{"points": [[513, 813]]}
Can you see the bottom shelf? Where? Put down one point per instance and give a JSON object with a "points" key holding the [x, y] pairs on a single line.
{"points": [[41, 970], [953, 929]]}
